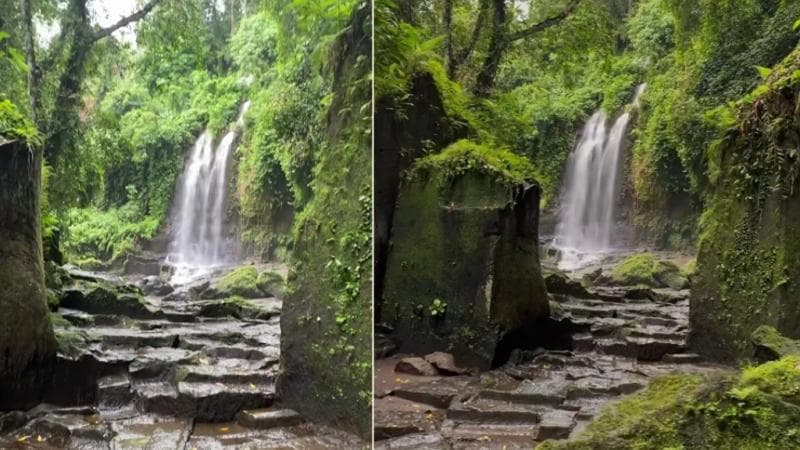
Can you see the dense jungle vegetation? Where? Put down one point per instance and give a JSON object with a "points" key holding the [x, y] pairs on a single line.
{"points": [[537, 71], [113, 116]]}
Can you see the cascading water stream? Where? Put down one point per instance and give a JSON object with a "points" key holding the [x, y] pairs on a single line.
{"points": [[586, 223], [198, 240]]}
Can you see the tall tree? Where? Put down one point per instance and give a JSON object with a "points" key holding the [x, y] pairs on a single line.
{"points": [[502, 37], [76, 39]]}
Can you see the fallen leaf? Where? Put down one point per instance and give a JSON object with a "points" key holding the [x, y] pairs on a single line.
{"points": [[40, 439], [224, 429], [253, 386], [24, 438]]}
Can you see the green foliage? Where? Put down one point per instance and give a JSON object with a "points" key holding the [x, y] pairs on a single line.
{"points": [[464, 155], [109, 233], [14, 125], [437, 308]]}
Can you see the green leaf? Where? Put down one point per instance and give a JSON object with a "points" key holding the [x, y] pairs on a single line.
{"points": [[796, 25]]}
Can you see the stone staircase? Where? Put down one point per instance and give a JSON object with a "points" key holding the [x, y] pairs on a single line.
{"points": [[620, 339], [168, 372]]}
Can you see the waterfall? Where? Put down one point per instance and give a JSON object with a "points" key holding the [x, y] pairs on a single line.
{"points": [[198, 238], [591, 188]]}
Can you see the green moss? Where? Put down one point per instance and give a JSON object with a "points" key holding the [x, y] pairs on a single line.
{"points": [[271, 283], [464, 155], [770, 344], [636, 269], [14, 125], [757, 409], [242, 281]]}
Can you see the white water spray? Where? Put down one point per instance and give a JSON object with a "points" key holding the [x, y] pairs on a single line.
{"points": [[198, 242], [586, 223]]}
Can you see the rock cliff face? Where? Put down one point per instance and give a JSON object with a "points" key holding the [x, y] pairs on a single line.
{"points": [[748, 266], [326, 339], [27, 343], [463, 266]]}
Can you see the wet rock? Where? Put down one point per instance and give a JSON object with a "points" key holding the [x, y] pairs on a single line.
{"points": [[151, 434], [100, 299], [445, 363], [558, 283], [549, 393], [142, 265], [770, 345], [556, 424], [208, 402], [439, 393], [415, 366], [416, 441], [669, 275], [12, 420], [682, 358], [236, 307], [114, 391], [490, 411], [269, 418], [160, 362], [154, 285]]}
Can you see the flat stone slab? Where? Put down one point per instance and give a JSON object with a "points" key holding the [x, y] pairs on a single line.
{"points": [[416, 441], [415, 365], [556, 424], [445, 363], [269, 418], [439, 393]]}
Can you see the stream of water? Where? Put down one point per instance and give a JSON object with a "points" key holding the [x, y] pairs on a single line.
{"points": [[199, 241], [586, 224]]}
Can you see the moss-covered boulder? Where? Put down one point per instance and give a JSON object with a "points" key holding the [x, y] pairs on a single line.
{"points": [[748, 270], [757, 409], [100, 298], [645, 269], [242, 282], [463, 269], [769, 344], [271, 284]]}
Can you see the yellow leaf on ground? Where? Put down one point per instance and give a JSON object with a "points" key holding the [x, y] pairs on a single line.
{"points": [[24, 438], [224, 429]]}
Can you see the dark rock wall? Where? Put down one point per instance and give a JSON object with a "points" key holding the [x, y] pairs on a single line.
{"points": [[463, 266]]}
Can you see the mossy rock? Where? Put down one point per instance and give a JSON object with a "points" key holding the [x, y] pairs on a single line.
{"points": [[645, 269], [668, 274], [756, 409], [770, 344], [242, 282], [237, 307], [98, 298], [271, 284], [636, 269], [72, 342]]}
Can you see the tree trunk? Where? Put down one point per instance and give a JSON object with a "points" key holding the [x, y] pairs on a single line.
{"points": [[30, 60], [27, 342], [498, 42], [447, 19]]}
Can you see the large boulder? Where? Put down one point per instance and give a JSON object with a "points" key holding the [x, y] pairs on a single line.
{"points": [[242, 282], [769, 344], [463, 267]]}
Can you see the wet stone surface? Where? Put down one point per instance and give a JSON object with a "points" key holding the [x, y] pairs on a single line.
{"points": [[621, 339], [158, 372]]}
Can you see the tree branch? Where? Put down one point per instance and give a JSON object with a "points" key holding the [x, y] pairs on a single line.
{"points": [[546, 23], [125, 21]]}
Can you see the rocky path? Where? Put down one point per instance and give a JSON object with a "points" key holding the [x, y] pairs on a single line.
{"points": [[164, 372], [618, 339]]}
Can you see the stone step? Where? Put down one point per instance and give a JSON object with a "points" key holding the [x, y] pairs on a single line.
{"points": [[114, 391], [160, 362], [556, 424], [595, 387], [225, 374], [415, 441], [263, 419], [216, 349], [529, 392], [208, 402], [439, 393], [682, 358], [643, 349], [485, 411], [490, 435]]}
